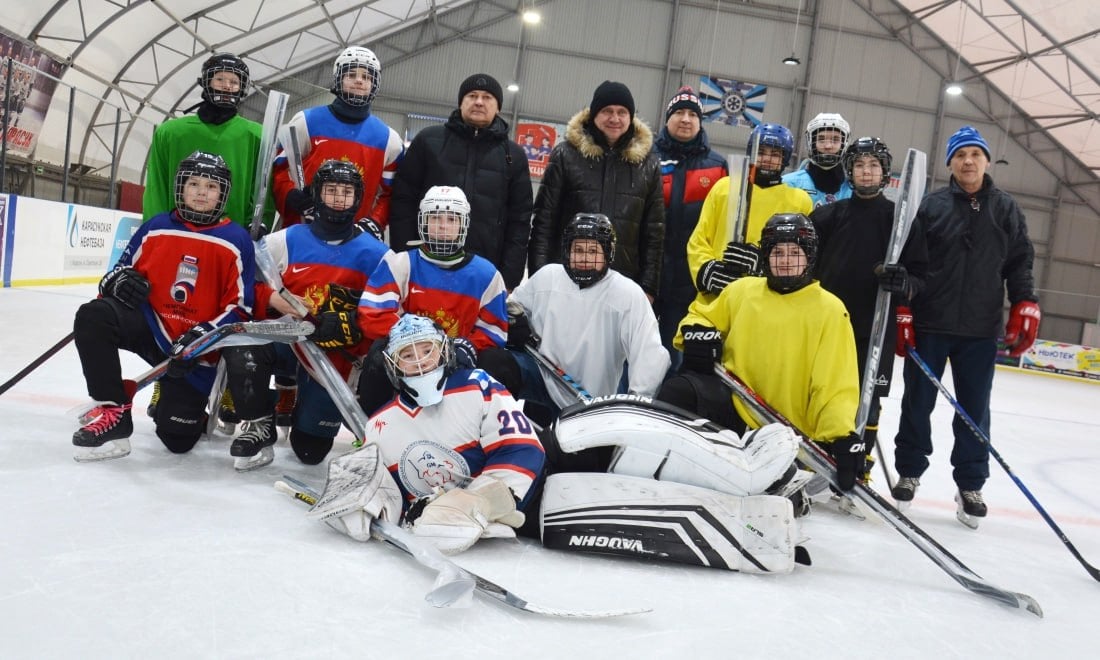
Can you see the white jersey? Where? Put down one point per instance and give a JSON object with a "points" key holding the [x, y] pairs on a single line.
{"points": [[477, 429], [591, 332]]}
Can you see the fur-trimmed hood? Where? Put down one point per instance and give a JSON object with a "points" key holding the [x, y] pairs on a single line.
{"points": [[635, 152]]}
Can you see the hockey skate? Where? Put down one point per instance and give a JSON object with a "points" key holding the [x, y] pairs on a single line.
{"points": [[227, 415], [904, 492], [971, 507], [105, 437], [254, 447]]}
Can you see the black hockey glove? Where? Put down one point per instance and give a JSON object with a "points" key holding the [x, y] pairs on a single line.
{"points": [[894, 279], [179, 367], [465, 353], [742, 258], [714, 276], [341, 298], [301, 201], [850, 454], [368, 226], [702, 348], [125, 285], [520, 333], [336, 330]]}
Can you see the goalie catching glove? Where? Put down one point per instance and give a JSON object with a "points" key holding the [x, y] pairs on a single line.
{"points": [[359, 489], [456, 519]]}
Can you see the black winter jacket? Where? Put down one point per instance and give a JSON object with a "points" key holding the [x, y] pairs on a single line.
{"points": [[623, 183], [977, 247], [490, 169]]}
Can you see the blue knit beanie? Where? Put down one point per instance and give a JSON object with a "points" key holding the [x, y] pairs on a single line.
{"points": [[967, 136]]}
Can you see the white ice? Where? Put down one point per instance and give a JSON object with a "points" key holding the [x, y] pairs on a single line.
{"points": [[164, 556]]}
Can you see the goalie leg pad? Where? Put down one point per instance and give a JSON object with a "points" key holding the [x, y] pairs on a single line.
{"points": [[642, 518], [358, 490], [656, 444]]}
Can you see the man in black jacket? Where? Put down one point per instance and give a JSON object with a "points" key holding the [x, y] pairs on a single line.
{"points": [[606, 164], [978, 247], [472, 152]]}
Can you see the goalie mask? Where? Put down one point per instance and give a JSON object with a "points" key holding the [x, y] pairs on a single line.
{"points": [[419, 359], [198, 200], [337, 192], [219, 90], [588, 248], [348, 62], [443, 220], [868, 146], [792, 239], [827, 121]]}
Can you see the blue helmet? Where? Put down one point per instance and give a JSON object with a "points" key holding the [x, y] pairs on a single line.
{"points": [[773, 135]]}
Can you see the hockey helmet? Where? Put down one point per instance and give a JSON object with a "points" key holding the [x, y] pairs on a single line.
{"points": [[789, 228], [223, 62], [351, 58], [772, 135], [205, 166], [827, 121], [588, 226], [868, 146], [419, 358], [336, 171], [448, 207]]}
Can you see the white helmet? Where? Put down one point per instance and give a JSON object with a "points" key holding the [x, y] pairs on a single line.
{"points": [[830, 121], [420, 371], [450, 202], [356, 57]]}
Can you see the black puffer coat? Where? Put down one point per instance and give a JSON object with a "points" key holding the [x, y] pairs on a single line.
{"points": [[490, 169], [623, 183]]}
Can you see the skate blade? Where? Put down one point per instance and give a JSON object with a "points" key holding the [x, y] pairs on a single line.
{"points": [[965, 518], [226, 428], [105, 452], [249, 463]]}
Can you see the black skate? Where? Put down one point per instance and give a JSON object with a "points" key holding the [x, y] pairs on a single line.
{"points": [[904, 492], [971, 509], [253, 448], [105, 437]]}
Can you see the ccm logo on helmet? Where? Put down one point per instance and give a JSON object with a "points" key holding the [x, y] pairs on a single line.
{"points": [[702, 335]]}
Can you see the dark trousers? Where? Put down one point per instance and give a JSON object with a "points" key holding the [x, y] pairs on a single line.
{"points": [[972, 361]]}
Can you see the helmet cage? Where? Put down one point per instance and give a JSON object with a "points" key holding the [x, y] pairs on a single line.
{"points": [[223, 62], [588, 226], [206, 166], [789, 228], [450, 205], [418, 358], [868, 146], [356, 57], [827, 121], [773, 135], [336, 171]]}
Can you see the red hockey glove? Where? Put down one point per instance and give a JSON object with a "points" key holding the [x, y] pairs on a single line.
{"points": [[907, 337], [1022, 327]]}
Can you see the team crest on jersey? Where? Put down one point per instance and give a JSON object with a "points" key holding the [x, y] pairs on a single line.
{"points": [[426, 466], [704, 181], [187, 273], [314, 297], [445, 319]]}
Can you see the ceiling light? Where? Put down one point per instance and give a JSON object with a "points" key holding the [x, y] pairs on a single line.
{"points": [[512, 87], [954, 89], [1001, 161], [532, 17], [791, 60]]}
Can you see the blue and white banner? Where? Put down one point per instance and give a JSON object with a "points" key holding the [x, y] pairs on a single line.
{"points": [[732, 102]]}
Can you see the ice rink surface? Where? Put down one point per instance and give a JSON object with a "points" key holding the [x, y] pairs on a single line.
{"points": [[163, 556]]}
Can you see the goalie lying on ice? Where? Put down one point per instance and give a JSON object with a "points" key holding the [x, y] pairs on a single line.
{"points": [[623, 475]]}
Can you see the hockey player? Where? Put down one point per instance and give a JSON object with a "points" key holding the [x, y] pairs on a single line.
{"points": [[344, 130], [591, 320], [455, 449], [827, 136], [183, 273], [440, 280], [853, 237], [325, 263], [714, 258], [789, 339]]}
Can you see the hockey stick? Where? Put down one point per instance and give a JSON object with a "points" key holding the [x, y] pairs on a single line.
{"points": [[820, 461], [432, 558], [559, 374], [742, 170], [981, 435], [905, 210], [50, 352], [273, 116]]}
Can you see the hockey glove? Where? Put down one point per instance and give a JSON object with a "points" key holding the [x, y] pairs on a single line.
{"points": [[850, 454], [341, 298], [125, 285], [465, 353], [1022, 328], [893, 278], [714, 276], [336, 330], [368, 226], [907, 337], [300, 201], [455, 520], [742, 258], [520, 333], [702, 348], [179, 367]]}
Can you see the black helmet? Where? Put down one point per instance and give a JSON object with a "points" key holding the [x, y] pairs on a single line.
{"points": [[336, 171], [206, 166], [223, 62], [789, 228], [593, 226], [868, 146]]}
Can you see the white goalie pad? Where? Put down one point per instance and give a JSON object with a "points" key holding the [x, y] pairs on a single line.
{"points": [[657, 443], [636, 517], [359, 489]]}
